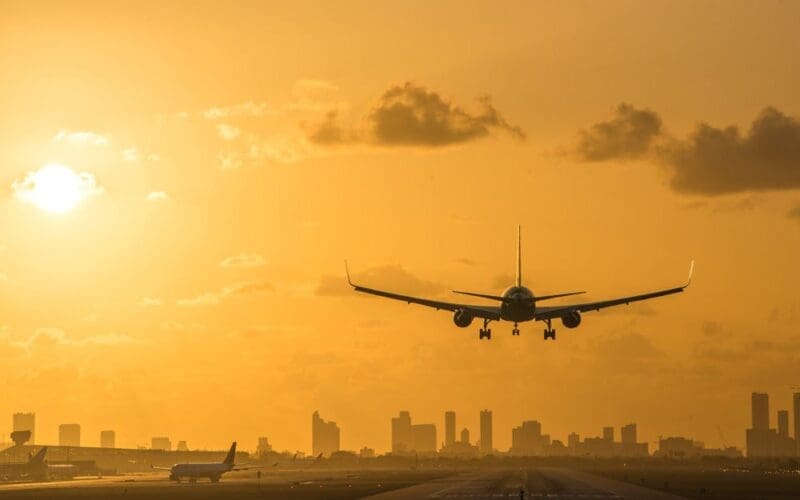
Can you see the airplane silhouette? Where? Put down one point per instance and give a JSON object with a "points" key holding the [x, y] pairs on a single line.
{"points": [[518, 304]]}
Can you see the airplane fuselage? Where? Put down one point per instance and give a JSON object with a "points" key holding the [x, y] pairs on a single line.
{"points": [[518, 305], [211, 471]]}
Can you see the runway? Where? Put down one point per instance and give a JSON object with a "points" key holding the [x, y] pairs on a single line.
{"points": [[540, 482]]}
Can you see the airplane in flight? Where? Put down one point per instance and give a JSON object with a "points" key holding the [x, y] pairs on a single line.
{"points": [[213, 471], [518, 304]]}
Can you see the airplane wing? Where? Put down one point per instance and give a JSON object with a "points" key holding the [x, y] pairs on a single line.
{"points": [[487, 312], [543, 313], [247, 467]]}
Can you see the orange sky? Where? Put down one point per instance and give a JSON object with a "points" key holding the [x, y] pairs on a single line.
{"points": [[237, 155]]}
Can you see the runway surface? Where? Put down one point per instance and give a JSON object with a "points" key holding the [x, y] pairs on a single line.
{"points": [[527, 483], [540, 482]]}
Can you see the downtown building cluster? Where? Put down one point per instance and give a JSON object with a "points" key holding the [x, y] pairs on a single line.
{"points": [[766, 441]]}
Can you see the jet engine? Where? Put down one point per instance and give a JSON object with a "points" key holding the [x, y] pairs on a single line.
{"points": [[462, 318], [571, 319]]}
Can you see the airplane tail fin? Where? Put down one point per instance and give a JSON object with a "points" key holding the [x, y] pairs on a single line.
{"points": [[231, 454], [519, 255], [38, 458]]}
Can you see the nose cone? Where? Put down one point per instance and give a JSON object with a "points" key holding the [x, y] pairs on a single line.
{"points": [[518, 293]]}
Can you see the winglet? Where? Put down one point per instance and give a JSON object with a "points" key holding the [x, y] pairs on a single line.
{"points": [[691, 271], [347, 272]]}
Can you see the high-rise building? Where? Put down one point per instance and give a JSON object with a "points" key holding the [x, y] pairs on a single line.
{"points": [[628, 434], [69, 435], [423, 438], [25, 422], [182, 446], [796, 401], [527, 439], [465, 435], [783, 423], [401, 433], [161, 443], [108, 439], [760, 408], [486, 431], [608, 433], [263, 446], [325, 436], [449, 428], [573, 440]]}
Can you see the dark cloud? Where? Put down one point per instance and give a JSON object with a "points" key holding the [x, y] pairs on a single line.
{"points": [[627, 136], [412, 115], [329, 132], [715, 161], [629, 346], [392, 278]]}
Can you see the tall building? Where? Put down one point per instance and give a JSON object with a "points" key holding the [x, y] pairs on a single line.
{"points": [[486, 431], [401, 433], [797, 422], [325, 436], [108, 439], [161, 443], [25, 422], [573, 440], [465, 435], [527, 439], [783, 423], [69, 435], [449, 428], [628, 434], [263, 446], [182, 446], [608, 433], [423, 438], [760, 407]]}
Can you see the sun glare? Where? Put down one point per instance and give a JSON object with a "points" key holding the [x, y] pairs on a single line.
{"points": [[56, 188]]}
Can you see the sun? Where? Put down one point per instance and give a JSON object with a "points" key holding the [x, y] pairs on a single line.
{"points": [[55, 188]]}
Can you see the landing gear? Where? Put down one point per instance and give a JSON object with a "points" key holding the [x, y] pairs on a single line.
{"points": [[214, 479], [515, 331], [549, 332], [485, 332]]}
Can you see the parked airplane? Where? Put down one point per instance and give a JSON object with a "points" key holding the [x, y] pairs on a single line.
{"points": [[213, 471], [518, 304], [37, 469]]}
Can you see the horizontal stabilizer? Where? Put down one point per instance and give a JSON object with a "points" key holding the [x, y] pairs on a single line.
{"points": [[482, 295], [547, 297]]}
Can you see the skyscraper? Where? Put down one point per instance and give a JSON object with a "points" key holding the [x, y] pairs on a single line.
{"points": [[401, 433], [69, 435], [325, 436], [797, 422], [486, 431], [449, 428], [760, 403], [608, 434], [107, 439], [783, 423], [25, 422], [628, 434]]}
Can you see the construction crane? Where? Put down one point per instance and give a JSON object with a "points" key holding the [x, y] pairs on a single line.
{"points": [[722, 438]]}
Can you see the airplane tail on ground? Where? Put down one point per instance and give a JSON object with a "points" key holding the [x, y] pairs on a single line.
{"points": [[231, 455], [519, 255], [38, 458]]}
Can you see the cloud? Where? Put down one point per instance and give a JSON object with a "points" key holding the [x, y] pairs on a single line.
{"points": [[49, 337], [712, 160], [412, 115], [629, 346], [329, 132], [715, 161], [243, 260], [393, 278], [626, 136], [81, 137], [229, 161], [217, 297], [177, 326], [150, 302], [130, 154], [228, 132], [245, 109], [157, 196]]}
